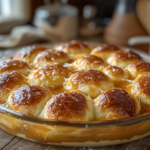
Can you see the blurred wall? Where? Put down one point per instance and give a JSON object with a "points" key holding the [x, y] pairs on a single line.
{"points": [[105, 7]]}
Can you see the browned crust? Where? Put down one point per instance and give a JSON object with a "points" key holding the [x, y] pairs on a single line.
{"points": [[9, 80], [126, 55], [74, 44], [118, 101], [143, 84], [105, 47], [88, 76], [115, 71], [51, 70], [66, 106], [90, 59], [28, 95], [11, 64], [140, 66], [27, 51], [51, 55]]}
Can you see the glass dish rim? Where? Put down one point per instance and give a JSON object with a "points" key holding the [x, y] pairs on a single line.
{"points": [[43, 121]]}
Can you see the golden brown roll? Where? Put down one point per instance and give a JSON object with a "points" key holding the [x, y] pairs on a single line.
{"points": [[89, 62], [29, 99], [90, 82], [141, 88], [50, 57], [9, 82], [123, 58], [28, 53], [104, 51], [51, 76], [71, 106], [115, 73], [73, 47], [10, 65], [116, 103], [137, 68]]}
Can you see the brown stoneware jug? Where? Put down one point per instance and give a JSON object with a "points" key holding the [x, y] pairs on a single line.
{"points": [[124, 25]]}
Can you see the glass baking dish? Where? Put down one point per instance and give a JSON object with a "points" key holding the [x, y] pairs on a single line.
{"points": [[94, 133], [74, 134]]}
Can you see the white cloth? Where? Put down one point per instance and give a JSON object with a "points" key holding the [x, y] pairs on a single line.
{"points": [[21, 36]]}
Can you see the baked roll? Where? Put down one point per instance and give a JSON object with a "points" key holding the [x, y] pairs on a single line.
{"points": [[73, 47], [50, 57], [70, 106], [137, 68], [28, 53], [115, 73], [9, 82], [116, 103], [70, 84], [29, 99], [89, 62], [10, 65], [104, 51], [51, 76], [90, 82], [141, 88], [123, 58]]}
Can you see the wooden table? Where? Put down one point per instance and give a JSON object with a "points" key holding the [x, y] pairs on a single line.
{"points": [[11, 142]]}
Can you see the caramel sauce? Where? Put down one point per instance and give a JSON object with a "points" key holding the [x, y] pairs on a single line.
{"points": [[76, 56], [124, 84], [69, 62], [58, 90], [2, 102], [144, 108]]}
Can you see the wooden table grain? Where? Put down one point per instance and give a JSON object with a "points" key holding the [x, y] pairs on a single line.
{"points": [[11, 142]]}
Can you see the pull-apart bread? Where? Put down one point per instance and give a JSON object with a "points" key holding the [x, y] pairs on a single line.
{"points": [[73, 82]]}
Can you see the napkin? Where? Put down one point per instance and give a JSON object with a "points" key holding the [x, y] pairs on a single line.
{"points": [[23, 35]]}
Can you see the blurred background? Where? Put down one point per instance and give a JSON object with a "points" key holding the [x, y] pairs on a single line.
{"points": [[117, 22]]}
